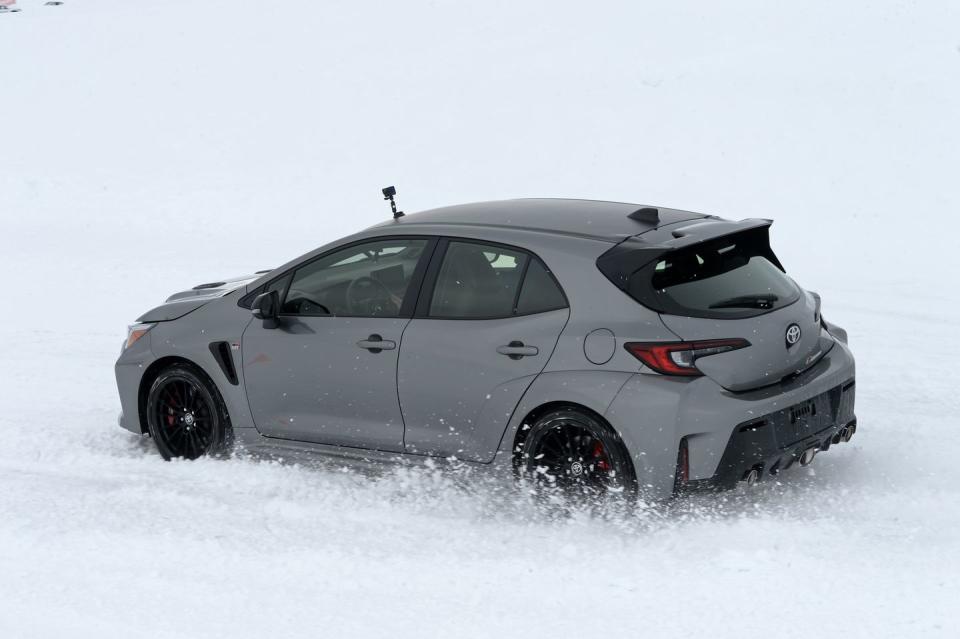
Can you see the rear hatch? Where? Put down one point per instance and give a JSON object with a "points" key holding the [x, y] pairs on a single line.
{"points": [[723, 281]]}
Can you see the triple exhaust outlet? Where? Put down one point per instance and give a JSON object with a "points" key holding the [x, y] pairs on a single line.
{"points": [[844, 435]]}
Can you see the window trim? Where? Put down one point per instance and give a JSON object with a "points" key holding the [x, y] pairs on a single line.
{"points": [[410, 299], [428, 285]]}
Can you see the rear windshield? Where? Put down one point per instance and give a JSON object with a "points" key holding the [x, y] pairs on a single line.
{"points": [[731, 277]]}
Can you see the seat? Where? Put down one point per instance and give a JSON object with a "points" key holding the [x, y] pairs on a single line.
{"points": [[469, 287]]}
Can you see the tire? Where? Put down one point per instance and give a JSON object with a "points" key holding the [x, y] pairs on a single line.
{"points": [[186, 415], [573, 452]]}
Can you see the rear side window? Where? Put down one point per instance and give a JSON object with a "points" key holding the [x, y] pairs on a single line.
{"points": [[726, 278], [477, 281], [484, 281], [540, 292]]}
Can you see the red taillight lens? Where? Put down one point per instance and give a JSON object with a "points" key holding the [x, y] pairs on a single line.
{"points": [[679, 358]]}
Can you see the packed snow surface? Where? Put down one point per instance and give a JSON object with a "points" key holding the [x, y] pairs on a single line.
{"points": [[148, 146]]}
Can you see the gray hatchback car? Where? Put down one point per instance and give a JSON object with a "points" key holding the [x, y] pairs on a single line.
{"points": [[587, 345]]}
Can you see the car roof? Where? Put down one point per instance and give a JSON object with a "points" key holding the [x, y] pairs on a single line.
{"points": [[592, 219]]}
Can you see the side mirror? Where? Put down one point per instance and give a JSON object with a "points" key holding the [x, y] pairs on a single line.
{"points": [[266, 307]]}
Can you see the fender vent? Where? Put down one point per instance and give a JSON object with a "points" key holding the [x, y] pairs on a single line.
{"points": [[221, 353]]}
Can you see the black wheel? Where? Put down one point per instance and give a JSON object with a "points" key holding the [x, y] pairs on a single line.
{"points": [[186, 415], [574, 452]]}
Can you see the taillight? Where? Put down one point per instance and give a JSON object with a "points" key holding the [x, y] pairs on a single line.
{"points": [[679, 358]]}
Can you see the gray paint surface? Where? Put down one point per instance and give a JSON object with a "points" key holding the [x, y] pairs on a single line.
{"points": [[768, 359], [446, 391], [309, 380], [457, 391]]}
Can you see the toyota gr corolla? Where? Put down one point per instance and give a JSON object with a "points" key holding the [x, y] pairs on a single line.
{"points": [[580, 343]]}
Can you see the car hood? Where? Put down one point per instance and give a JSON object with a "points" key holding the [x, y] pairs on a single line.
{"points": [[183, 302]]}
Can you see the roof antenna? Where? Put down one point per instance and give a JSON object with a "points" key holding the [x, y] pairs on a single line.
{"points": [[388, 194], [647, 214]]}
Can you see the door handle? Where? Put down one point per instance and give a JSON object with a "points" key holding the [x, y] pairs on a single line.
{"points": [[517, 349], [375, 344]]}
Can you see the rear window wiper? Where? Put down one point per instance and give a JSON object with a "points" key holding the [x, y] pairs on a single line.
{"points": [[747, 301]]}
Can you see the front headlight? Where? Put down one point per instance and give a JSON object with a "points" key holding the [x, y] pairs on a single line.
{"points": [[135, 332]]}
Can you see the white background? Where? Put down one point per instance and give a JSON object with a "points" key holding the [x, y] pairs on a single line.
{"points": [[148, 146]]}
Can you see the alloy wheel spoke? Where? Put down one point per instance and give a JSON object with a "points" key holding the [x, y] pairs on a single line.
{"points": [[186, 419], [573, 458]]}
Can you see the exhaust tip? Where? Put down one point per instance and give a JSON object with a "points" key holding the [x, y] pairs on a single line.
{"points": [[752, 477], [848, 431], [807, 456]]}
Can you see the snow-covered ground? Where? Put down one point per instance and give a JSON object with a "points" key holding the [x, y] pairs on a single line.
{"points": [[148, 146]]}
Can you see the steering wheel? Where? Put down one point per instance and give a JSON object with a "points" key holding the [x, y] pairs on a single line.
{"points": [[367, 296]]}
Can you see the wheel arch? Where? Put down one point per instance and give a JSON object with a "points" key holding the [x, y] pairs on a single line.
{"points": [[547, 407]]}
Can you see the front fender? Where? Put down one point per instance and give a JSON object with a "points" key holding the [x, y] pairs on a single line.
{"points": [[190, 338]]}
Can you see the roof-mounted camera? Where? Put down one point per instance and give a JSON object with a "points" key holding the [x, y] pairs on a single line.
{"points": [[388, 194]]}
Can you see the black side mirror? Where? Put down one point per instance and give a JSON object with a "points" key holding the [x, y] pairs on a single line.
{"points": [[266, 307]]}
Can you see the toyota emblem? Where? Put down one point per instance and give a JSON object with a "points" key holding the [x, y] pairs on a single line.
{"points": [[793, 334]]}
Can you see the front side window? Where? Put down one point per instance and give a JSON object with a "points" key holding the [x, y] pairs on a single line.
{"points": [[364, 280], [483, 281]]}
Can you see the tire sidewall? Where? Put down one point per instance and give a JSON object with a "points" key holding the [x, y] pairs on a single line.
{"points": [[208, 391], [612, 443]]}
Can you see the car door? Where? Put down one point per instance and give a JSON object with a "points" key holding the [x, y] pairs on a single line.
{"points": [[327, 372], [487, 322]]}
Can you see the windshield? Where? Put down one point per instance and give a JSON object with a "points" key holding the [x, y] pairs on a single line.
{"points": [[730, 277]]}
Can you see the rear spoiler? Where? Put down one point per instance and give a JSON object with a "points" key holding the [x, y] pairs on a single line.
{"points": [[636, 252]]}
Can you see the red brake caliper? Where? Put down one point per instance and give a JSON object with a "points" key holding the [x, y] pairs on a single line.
{"points": [[600, 457], [171, 418]]}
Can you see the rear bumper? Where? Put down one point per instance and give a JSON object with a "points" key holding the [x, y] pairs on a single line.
{"points": [[654, 414], [776, 441]]}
